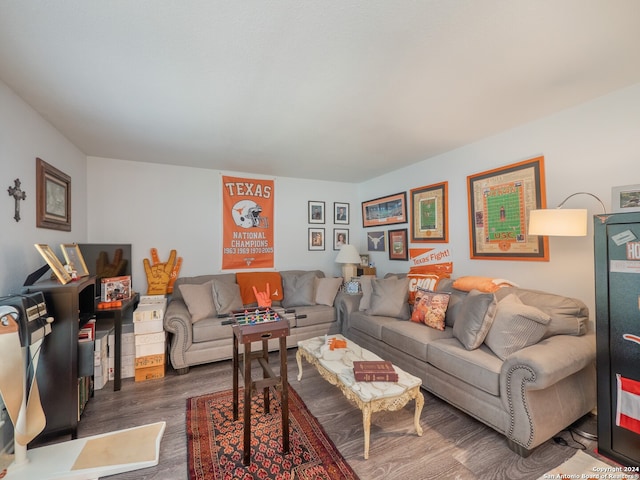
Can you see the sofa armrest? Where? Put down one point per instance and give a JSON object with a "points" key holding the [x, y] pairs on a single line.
{"points": [[345, 305], [177, 321]]}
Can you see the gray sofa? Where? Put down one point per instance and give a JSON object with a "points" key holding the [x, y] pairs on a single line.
{"points": [[194, 321], [529, 395]]}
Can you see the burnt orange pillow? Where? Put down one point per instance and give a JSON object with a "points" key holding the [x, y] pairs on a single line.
{"points": [[247, 280], [483, 284], [427, 277]]}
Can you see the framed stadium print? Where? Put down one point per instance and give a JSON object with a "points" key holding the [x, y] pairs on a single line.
{"points": [[429, 213], [387, 210], [499, 205]]}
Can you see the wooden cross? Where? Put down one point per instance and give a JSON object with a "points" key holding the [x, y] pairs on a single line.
{"points": [[17, 195]]}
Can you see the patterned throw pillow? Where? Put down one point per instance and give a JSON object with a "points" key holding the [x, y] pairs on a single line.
{"points": [[430, 308]]}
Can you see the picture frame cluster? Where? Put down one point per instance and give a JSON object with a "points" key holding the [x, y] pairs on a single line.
{"points": [[317, 215]]}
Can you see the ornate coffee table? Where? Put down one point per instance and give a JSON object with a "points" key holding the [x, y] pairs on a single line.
{"points": [[337, 368]]}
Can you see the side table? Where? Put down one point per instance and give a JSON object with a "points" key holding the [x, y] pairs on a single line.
{"points": [[260, 332]]}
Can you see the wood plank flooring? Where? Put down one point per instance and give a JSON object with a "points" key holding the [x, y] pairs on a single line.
{"points": [[453, 445]]}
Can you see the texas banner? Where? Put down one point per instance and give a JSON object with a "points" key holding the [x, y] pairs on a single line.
{"points": [[248, 221]]}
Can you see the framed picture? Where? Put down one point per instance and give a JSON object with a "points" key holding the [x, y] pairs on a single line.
{"points": [[53, 262], [316, 212], [364, 260], [53, 197], [341, 213], [429, 213], [398, 245], [385, 210], [375, 241], [316, 239], [74, 257], [499, 205], [625, 198], [340, 237]]}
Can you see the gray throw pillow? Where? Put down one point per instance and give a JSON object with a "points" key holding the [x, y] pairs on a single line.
{"points": [[298, 289], [474, 318], [367, 289], [515, 327], [389, 298], [226, 296], [199, 300]]}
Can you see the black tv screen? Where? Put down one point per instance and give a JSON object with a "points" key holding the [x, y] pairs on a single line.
{"points": [[107, 259]]}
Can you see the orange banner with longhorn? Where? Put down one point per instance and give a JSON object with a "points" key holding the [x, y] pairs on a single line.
{"points": [[248, 223]]}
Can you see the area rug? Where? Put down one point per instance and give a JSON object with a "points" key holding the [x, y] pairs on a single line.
{"points": [[215, 442], [586, 467]]}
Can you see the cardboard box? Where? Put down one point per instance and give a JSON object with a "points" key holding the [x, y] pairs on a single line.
{"points": [[150, 349], [126, 366], [150, 361], [149, 311], [149, 373], [148, 326], [147, 338]]}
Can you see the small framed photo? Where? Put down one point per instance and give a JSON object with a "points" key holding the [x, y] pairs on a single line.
{"points": [[398, 248], [364, 260], [625, 198], [316, 212], [74, 258], [375, 241], [53, 262], [316, 239], [341, 213], [340, 237]]}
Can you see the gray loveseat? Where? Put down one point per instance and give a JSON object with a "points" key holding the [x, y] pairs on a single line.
{"points": [[198, 306], [543, 380]]}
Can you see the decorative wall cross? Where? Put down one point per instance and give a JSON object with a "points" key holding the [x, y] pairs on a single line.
{"points": [[17, 195]]}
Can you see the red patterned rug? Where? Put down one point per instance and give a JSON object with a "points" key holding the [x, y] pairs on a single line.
{"points": [[215, 442]]}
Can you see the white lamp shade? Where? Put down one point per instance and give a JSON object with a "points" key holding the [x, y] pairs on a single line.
{"points": [[558, 222], [348, 254]]}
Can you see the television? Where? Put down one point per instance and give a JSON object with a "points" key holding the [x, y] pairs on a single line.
{"points": [[106, 260]]}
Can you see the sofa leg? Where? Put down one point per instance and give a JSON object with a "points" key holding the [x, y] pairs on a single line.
{"points": [[519, 449], [182, 371]]}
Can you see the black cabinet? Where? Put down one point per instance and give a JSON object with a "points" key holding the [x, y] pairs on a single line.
{"points": [[71, 306], [617, 266]]}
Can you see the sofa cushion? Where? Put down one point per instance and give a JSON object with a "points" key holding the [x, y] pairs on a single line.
{"points": [[314, 315], [474, 319], [478, 367], [247, 280], [430, 308], [371, 325], [389, 298], [211, 329], [198, 280], [411, 338], [367, 290], [199, 300], [515, 326], [226, 296], [326, 290], [569, 316], [299, 288]]}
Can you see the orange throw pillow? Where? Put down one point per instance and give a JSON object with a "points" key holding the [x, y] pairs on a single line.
{"points": [[483, 284]]}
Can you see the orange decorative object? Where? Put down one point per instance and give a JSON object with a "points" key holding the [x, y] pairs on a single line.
{"points": [[263, 298], [337, 343], [107, 305], [161, 276]]}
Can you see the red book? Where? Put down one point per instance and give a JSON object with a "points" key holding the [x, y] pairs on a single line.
{"points": [[374, 371]]}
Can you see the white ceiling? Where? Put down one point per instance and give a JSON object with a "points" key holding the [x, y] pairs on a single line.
{"points": [[332, 89]]}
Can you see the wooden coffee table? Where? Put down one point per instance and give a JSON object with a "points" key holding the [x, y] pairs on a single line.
{"points": [[337, 368]]}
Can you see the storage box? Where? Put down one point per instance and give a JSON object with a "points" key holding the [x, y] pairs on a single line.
{"points": [[150, 361], [148, 326], [147, 338], [149, 373], [149, 311], [150, 349]]}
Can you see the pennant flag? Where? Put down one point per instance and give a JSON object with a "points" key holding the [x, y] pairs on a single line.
{"points": [[628, 411]]}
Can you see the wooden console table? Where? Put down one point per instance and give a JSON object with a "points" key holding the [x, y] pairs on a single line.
{"points": [[261, 332]]}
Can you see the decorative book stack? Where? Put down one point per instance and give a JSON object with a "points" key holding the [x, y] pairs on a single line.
{"points": [[374, 371]]}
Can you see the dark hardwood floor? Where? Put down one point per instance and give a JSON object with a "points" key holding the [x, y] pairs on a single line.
{"points": [[453, 446]]}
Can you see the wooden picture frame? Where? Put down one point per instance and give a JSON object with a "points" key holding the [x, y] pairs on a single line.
{"points": [[53, 262], [364, 260], [429, 209], [73, 256], [625, 198], [398, 244], [499, 204], [316, 239], [340, 213], [340, 237], [388, 210], [316, 212], [53, 197], [376, 241]]}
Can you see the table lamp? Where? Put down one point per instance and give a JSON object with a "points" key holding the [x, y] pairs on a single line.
{"points": [[350, 258]]}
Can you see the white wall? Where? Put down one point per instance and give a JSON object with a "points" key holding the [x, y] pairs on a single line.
{"points": [[591, 148], [170, 207], [25, 135]]}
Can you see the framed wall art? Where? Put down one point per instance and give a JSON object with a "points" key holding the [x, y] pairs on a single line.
{"points": [[429, 213], [340, 213], [316, 212], [398, 245], [53, 262], [387, 210], [625, 198], [73, 257], [53, 197], [340, 237], [499, 205], [375, 241], [316, 239]]}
